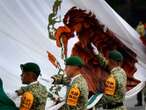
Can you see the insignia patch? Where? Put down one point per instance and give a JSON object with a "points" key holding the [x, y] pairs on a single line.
{"points": [[26, 101], [110, 85], [73, 96]]}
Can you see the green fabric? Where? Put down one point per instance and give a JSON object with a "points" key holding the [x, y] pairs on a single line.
{"points": [[5, 102], [74, 60], [93, 98], [31, 67], [115, 55]]}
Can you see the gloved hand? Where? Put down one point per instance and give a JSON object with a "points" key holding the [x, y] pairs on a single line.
{"points": [[95, 50], [60, 79], [57, 79]]}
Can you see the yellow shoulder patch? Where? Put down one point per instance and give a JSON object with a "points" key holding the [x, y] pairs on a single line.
{"points": [[73, 96], [110, 85], [26, 101]]}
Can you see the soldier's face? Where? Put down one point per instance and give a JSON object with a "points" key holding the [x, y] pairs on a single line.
{"points": [[112, 64], [70, 70], [26, 77]]}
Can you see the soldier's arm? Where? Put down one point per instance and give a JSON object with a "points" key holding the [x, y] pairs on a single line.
{"points": [[102, 60], [120, 89], [26, 101], [100, 103], [73, 97], [118, 96], [21, 90], [107, 99]]}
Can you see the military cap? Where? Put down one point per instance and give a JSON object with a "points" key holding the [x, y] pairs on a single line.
{"points": [[115, 55], [74, 61], [31, 67]]}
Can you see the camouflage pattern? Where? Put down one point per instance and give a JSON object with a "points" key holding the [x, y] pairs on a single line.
{"points": [[119, 95], [121, 81], [40, 95], [81, 84]]}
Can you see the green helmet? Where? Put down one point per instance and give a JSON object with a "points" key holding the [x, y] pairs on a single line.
{"points": [[31, 67], [115, 55], [74, 61]]}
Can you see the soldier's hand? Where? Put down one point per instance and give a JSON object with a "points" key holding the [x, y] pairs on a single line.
{"points": [[57, 79], [53, 79], [95, 50]]}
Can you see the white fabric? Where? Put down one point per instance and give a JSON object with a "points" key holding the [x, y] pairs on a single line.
{"points": [[95, 101], [74, 78], [56, 107], [24, 36], [135, 90], [35, 82]]}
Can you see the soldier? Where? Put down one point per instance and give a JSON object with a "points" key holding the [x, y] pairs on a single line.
{"points": [[77, 91], [34, 95], [139, 98], [115, 84], [140, 29]]}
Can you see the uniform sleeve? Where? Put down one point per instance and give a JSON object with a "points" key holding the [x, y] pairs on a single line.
{"points": [[116, 98], [26, 101], [22, 90], [73, 96], [120, 89]]}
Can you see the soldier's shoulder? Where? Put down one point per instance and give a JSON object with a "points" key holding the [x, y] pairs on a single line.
{"points": [[80, 81], [38, 87], [80, 78], [43, 86], [23, 89]]}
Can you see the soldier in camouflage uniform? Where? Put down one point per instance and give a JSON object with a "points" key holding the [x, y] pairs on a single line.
{"points": [[77, 90], [34, 95], [115, 85]]}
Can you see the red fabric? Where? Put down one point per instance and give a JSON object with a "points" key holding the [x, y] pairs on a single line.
{"points": [[145, 25], [92, 31], [61, 30], [52, 59], [143, 39]]}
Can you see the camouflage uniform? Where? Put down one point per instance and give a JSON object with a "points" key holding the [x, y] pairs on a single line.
{"points": [[82, 101], [77, 88], [120, 90], [39, 93], [119, 95]]}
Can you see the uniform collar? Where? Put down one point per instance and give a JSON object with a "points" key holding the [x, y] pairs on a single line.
{"points": [[115, 68], [73, 78], [35, 82]]}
